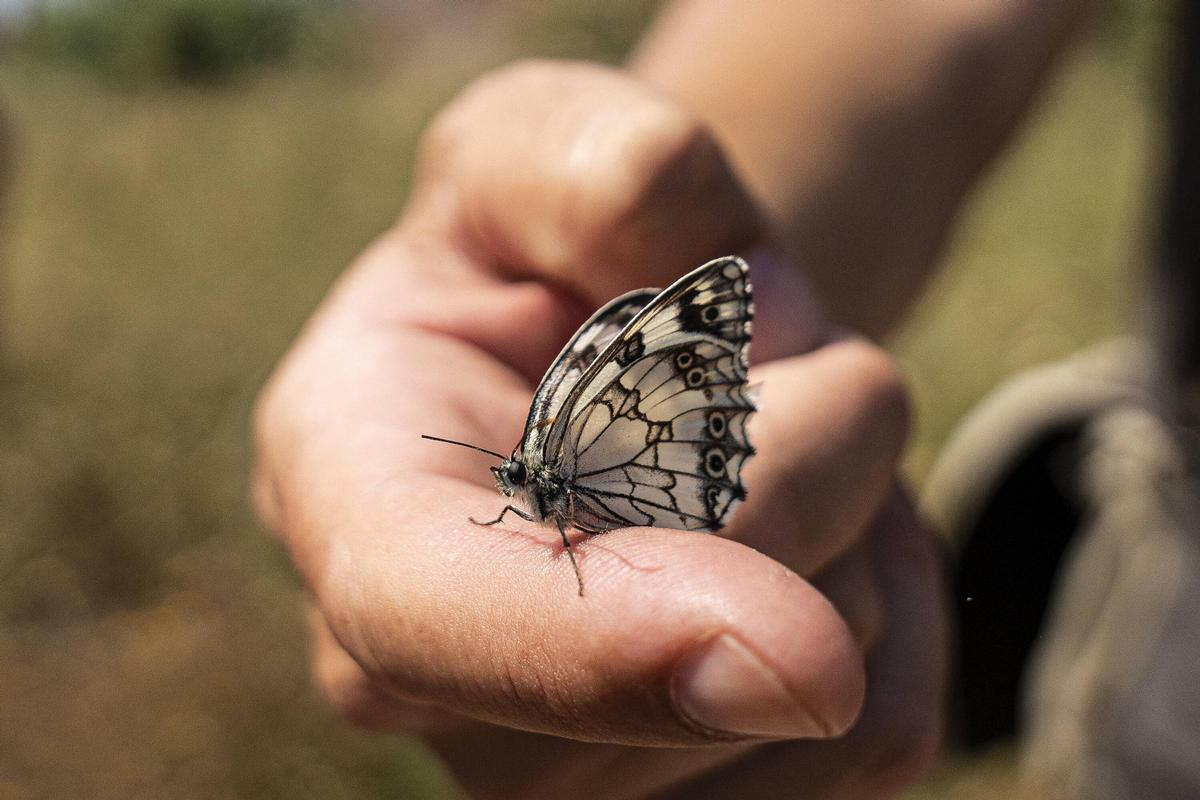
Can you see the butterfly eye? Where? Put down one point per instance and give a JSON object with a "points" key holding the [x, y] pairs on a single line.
{"points": [[515, 473]]}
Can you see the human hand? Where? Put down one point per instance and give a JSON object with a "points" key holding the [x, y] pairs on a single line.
{"points": [[695, 662]]}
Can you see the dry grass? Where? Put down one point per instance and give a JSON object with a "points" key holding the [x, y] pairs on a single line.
{"points": [[162, 251], [162, 248]]}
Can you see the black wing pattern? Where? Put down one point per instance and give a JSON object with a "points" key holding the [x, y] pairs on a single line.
{"points": [[577, 355], [654, 431]]}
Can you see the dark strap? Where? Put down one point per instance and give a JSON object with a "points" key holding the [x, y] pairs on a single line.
{"points": [[1175, 309]]}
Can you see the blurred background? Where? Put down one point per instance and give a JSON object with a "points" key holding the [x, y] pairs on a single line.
{"points": [[183, 179]]}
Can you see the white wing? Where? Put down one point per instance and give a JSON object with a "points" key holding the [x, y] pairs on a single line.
{"points": [[654, 431], [576, 356]]}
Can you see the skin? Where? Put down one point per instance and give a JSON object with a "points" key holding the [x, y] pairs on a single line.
{"points": [[860, 127], [802, 649]]}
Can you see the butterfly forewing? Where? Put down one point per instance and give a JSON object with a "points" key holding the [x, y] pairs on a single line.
{"points": [[653, 431], [588, 342]]}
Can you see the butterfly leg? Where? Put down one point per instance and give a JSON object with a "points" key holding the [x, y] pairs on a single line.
{"points": [[523, 515], [570, 553]]}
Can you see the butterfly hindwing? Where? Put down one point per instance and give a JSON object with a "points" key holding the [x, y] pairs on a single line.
{"points": [[653, 431], [653, 453]]}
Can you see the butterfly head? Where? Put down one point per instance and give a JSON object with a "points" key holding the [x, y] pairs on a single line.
{"points": [[510, 476]]}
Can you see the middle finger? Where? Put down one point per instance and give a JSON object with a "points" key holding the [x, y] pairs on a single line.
{"points": [[829, 432]]}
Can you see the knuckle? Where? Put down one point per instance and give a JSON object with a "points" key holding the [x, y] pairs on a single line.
{"points": [[442, 137], [654, 136], [661, 195], [612, 167], [333, 687], [489, 97], [346, 687], [883, 396], [529, 71], [522, 72], [357, 704], [656, 153]]}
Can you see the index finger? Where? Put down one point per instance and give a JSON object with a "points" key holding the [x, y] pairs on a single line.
{"points": [[585, 177]]}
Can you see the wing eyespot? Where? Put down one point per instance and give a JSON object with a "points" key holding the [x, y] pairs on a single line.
{"points": [[716, 425], [714, 463], [712, 496], [695, 377], [684, 359]]}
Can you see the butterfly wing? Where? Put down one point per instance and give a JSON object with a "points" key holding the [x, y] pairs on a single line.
{"points": [[653, 432], [588, 342]]}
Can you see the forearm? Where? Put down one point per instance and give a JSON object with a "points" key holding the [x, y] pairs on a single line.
{"points": [[859, 126]]}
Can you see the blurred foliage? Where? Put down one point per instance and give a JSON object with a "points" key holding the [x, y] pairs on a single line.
{"points": [[159, 250], [134, 42], [569, 29], [1124, 21]]}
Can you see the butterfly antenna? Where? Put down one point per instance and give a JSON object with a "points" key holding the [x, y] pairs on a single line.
{"points": [[463, 444]]}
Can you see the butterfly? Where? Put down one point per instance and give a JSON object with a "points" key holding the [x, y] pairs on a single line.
{"points": [[641, 420]]}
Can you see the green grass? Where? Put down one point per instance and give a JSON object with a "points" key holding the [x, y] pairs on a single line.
{"points": [[1046, 256], [160, 249]]}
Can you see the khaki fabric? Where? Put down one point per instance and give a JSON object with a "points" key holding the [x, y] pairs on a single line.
{"points": [[1111, 697], [1113, 700], [994, 434]]}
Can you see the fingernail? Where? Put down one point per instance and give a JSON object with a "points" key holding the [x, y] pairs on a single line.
{"points": [[724, 686]]}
